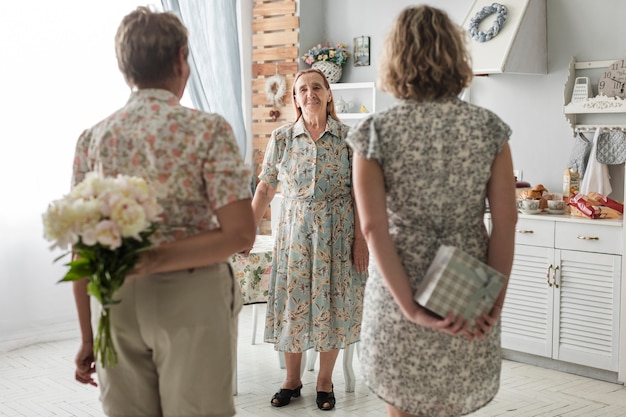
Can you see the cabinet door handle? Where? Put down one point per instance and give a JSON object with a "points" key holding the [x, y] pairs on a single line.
{"points": [[581, 237], [523, 231], [548, 275], [556, 283]]}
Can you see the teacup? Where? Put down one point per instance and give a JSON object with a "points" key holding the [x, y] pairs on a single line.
{"points": [[530, 205], [556, 205]]}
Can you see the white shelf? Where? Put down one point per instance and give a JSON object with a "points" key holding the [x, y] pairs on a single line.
{"points": [[594, 112], [357, 95], [352, 116], [352, 86], [598, 104]]}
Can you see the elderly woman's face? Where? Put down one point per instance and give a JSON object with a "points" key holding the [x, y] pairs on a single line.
{"points": [[311, 94]]}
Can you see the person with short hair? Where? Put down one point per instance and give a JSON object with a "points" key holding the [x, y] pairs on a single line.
{"points": [[175, 328]]}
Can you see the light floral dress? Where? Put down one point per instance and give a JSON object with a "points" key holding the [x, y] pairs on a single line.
{"points": [[436, 160], [315, 298]]}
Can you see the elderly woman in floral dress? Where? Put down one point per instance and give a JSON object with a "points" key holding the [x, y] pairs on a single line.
{"points": [[320, 257]]}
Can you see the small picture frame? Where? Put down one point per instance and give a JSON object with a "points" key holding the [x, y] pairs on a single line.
{"points": [[361, 51]]}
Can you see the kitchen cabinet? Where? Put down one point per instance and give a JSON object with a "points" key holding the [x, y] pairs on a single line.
{"points": [[563, 298], [355, 97]]}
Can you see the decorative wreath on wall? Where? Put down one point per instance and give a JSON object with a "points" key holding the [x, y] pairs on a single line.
{"points": [[479, 36], [275, 89]]}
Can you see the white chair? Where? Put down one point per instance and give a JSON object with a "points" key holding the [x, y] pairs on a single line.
{"points": [[255, 317]]}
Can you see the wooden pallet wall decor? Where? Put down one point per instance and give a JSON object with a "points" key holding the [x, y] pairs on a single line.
{"points": [[275, 41]]}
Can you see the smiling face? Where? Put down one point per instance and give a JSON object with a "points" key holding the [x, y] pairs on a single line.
{"points": [[311, 95]]}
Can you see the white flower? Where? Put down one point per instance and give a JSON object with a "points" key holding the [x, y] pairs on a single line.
{"points": [[138, 188], [108, 234], [152, 210], [59, 223], [86, 212], [129, 217]]}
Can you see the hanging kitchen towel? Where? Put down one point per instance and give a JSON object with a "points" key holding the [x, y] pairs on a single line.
{"points": [[579, 155], [611, 147], [596, 177]]}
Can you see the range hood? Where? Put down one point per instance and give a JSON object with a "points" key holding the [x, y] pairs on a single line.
{"points": [[520, 47]]}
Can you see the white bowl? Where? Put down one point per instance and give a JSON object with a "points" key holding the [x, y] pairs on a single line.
{"points": [[530, 205], [556, 205]]}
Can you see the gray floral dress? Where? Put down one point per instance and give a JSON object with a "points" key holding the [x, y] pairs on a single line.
{"points": [[315, 295], [436, 159]]}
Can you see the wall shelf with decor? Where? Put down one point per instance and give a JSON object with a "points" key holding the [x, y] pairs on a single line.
{"points": [[595, 111], [350, 98]]}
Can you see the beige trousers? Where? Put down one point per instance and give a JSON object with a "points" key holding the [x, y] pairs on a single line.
{"points": [[176, 339]]}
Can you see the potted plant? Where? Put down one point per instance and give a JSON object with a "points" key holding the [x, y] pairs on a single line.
{"points": [[328, 58]]}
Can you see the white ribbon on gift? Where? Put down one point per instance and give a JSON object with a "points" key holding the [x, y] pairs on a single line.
{"points": [[488, 292]]}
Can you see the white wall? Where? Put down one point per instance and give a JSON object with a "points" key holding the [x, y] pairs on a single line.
{"points": [[531, 104], [59, 77]]}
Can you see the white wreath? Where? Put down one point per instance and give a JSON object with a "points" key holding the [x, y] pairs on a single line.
{"points": [[275, 89], [495, 28]]}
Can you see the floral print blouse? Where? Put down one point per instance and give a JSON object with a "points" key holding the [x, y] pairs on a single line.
{"points": [[190, 157], [297, 167]]}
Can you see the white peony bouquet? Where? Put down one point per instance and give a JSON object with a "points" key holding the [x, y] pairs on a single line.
{"points": [[107, 222]]}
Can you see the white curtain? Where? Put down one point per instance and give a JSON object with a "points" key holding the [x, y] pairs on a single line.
{"points": [[215, 81]]}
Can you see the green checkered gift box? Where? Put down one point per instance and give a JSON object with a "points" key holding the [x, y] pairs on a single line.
{"points": [[458, 282]]}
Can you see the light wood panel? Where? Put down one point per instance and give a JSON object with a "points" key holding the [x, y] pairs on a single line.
{"points": [[274, 53], [285, 68], [262, 113], [275, 23], [274, 8], [275, 47]]}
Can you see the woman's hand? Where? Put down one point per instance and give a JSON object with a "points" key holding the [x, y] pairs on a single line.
{"points": [[144, 265], [85, 364], [360, 255], [451, 324], [486, 322], [246, 251]]}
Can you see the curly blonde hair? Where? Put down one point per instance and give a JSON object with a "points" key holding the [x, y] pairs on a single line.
{"points": [[424, 56]]}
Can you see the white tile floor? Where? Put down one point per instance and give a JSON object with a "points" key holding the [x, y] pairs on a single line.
{"points": [[37, 381]]}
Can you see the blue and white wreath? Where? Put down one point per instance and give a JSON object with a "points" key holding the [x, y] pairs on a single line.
{"points": [[480, 36]]}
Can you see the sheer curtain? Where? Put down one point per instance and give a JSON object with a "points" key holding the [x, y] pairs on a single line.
{"points": [[215, 80]]}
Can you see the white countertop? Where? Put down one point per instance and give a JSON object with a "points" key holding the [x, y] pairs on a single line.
{"points": [[568, 218]]}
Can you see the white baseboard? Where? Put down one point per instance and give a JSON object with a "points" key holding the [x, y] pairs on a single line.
{"points": [[38, 333]]}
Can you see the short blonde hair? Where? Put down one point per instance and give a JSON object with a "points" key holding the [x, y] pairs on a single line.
{"points": [[147, 44], [330, 107], [424, 56]]}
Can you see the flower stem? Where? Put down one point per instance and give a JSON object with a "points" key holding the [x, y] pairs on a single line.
{"points": [[103, 347]]}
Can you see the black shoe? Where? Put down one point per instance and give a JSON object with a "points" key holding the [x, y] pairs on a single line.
{"points": [[326, 400], [283, 397]]}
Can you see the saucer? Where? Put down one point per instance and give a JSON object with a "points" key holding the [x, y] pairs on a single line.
{"points": [[524, 211], [551, 211]]}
